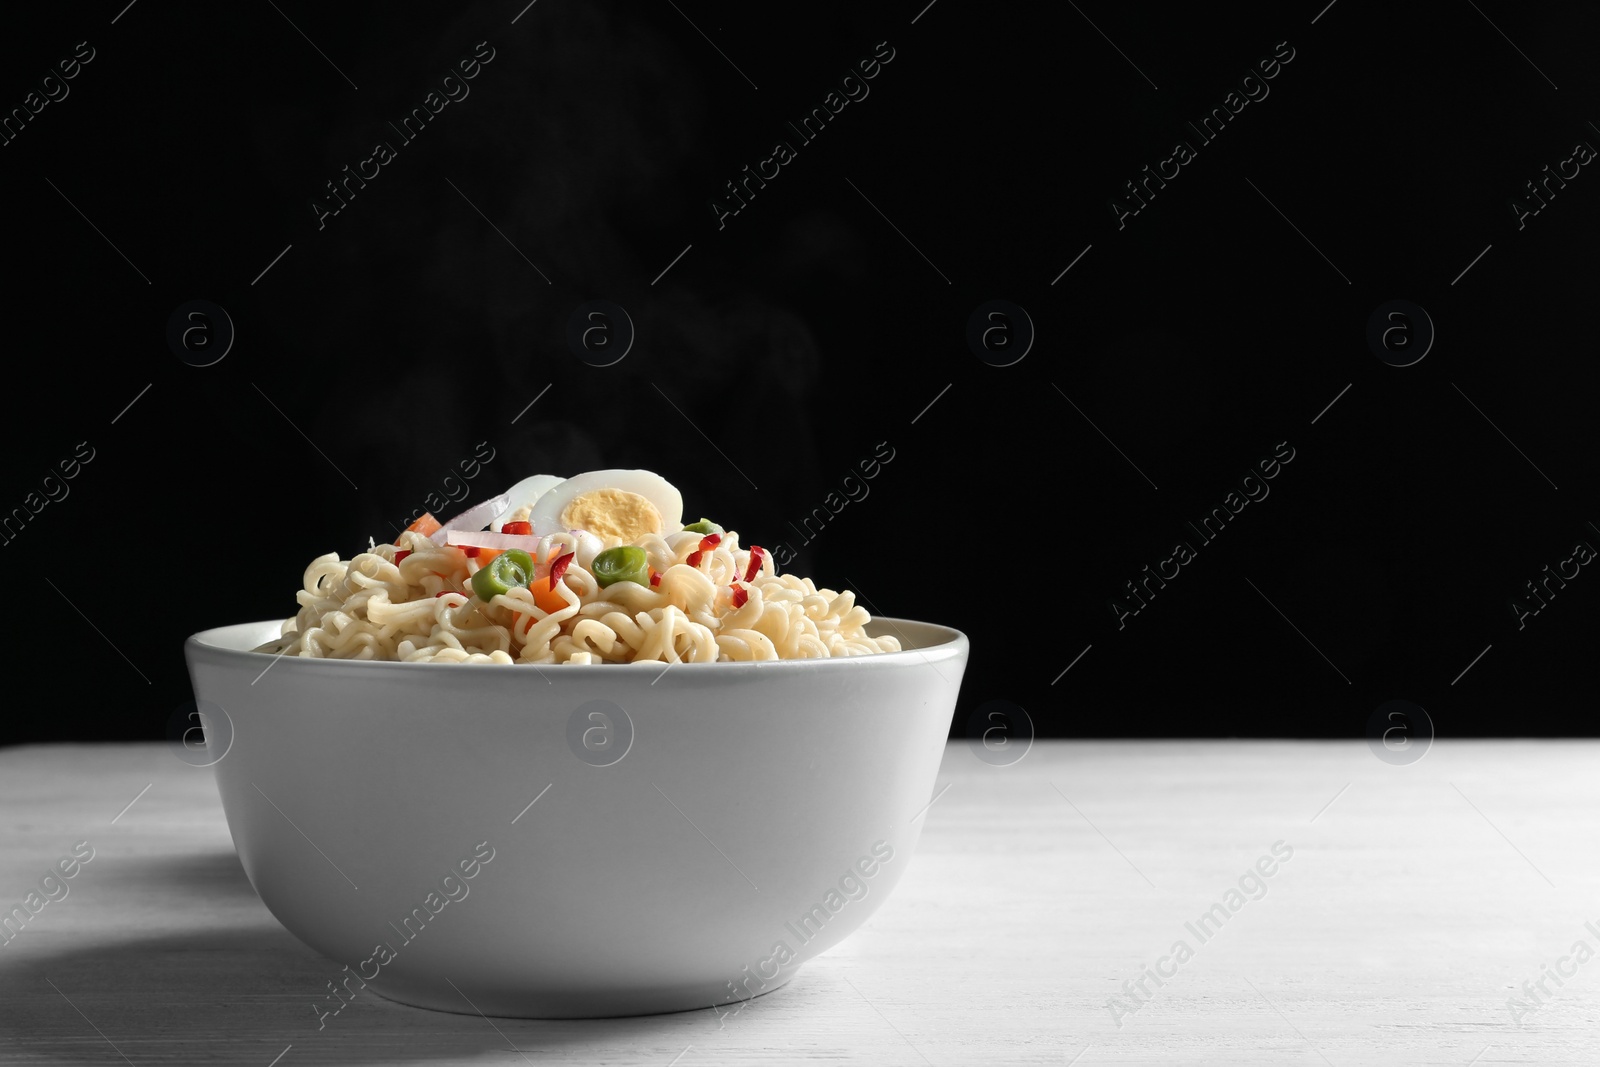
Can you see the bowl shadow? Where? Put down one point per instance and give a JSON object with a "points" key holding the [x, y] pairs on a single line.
{"points": [[238, 989], [215, 876]]}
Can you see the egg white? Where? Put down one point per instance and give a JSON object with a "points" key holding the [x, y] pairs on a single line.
{"points": [[553, 501]]}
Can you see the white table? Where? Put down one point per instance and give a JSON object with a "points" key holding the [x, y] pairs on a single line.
{"points": [[1414, 905]]}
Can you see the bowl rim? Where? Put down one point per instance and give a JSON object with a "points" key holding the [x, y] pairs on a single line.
{"points": [[215, 645]]}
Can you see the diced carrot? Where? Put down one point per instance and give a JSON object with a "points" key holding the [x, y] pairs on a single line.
{"points": [[480, 557], [424, 526], [545, 595], [543, 587]]}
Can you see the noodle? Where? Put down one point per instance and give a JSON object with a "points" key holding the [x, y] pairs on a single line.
{"points": [[422, 609]]}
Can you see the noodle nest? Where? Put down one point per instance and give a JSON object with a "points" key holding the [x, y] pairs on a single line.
{"points": [[422, 609]]}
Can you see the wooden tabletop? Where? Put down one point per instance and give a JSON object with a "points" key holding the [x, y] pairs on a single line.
{"points": [[1406, 905]]}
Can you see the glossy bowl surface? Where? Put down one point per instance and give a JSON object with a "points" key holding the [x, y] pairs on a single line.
{"points": [[563, 842]]}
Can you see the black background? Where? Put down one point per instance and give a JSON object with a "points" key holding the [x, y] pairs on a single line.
{"points": [[380, 349]]}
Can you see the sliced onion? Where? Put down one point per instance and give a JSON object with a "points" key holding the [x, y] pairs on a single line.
{"points": [[588, 547], [488, 539], [474, 518]]}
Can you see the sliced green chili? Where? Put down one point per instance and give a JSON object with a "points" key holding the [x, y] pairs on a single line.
{"points": [[508, 569], [625, 563]]}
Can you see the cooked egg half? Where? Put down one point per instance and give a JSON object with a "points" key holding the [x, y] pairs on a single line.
{"points": [[617, 506], [520, 498]]}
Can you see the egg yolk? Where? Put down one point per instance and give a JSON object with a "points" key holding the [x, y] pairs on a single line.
{"points": [[616, 516]]}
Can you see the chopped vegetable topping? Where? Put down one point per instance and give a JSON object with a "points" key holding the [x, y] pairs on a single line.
{"points": [[704, 526], [757, 553], [471, 551], [489, 539], [707, 543], [625, 563], [655, 577], [400, 555], [559, 567], [426, 525], [544, 592], [514, 527], [474, 518], [545, 595], [740, 596], [504, 571]]}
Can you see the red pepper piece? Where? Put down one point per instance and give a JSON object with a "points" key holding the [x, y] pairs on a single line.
{"points": [[757, 553], [559, 567], [741, 596], [400, 555], [471, 551], [655, 577], [707, 543], [525, 528]]}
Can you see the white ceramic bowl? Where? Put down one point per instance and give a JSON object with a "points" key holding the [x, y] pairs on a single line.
{"points": [[694, 834]]}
